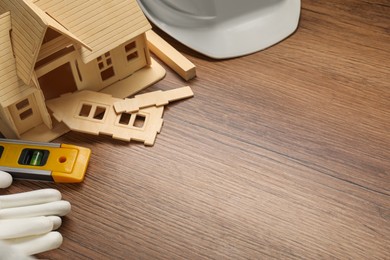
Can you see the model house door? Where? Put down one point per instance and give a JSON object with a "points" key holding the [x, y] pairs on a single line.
{"points": [[25, 114], [58, 81]]}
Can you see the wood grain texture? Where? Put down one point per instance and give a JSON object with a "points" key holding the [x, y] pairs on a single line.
{"points": [[281, 154]]}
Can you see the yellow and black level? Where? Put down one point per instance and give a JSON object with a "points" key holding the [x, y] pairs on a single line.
{"points": [[44, 161]]}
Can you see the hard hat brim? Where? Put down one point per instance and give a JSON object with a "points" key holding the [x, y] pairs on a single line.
{"points": [[230, 36]]}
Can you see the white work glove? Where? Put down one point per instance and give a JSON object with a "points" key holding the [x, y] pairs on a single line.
{"points": [[28, 220]]}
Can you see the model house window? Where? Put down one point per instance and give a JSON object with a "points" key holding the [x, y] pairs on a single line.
{"points": [[22, 104], [24, 109], [132, 120], [105, 66], [92, 111], [25, 114], [131, 51]]}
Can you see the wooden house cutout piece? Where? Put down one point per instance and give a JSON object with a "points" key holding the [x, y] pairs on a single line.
{"points": [[155, 98], [93, 113]]}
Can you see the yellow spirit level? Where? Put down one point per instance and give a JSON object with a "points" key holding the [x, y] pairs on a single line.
{"points": [[44, 161]]}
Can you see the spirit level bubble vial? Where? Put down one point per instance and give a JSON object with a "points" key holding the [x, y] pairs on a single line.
{"points": [[44, 161]]}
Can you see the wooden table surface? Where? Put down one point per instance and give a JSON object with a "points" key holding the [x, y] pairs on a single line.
{"points": [[283, 154]]}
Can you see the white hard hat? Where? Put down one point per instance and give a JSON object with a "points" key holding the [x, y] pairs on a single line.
{"points": [[225, 28]]}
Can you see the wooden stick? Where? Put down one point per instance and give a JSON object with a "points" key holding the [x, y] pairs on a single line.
{"points": [[170, 56], [155, 98]]}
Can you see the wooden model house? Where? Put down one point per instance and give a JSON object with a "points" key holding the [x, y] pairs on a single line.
{"points": [[51, 47]]}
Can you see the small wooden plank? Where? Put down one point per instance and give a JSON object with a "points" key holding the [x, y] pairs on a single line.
{"points": [[155, 98], [170, 56]]}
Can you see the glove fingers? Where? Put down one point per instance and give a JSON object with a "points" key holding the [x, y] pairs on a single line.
{"points": [[22, 227], [5, 179], [56, 208], [29, 198], [7, 252], [36, 244], [57, 221]]}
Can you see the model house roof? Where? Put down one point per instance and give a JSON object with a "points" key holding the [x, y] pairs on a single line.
{"points": [[101, 24], [94, 26], [11, 87], [29, 24]]}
